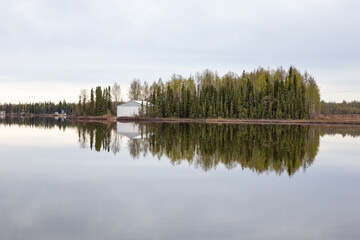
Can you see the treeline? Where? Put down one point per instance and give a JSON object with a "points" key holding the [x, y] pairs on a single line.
{"points": [[100, 102], [38, 122], [260, 94], [340, 108], [39, 108]]}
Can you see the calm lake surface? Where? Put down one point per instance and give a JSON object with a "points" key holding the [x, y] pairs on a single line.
{"points": [[67, 180]]}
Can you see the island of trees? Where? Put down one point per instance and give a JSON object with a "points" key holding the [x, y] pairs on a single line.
{"points": [[259, 94]]}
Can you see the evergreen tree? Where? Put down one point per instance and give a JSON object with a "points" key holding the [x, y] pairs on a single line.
{"points": [[92, 103], [99, 102]]}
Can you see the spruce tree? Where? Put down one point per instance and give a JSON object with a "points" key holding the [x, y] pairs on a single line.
{"points": [[92, 103], [99, 103]]}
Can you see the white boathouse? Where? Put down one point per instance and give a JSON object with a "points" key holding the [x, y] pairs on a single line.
{"points": [[131, 108]]}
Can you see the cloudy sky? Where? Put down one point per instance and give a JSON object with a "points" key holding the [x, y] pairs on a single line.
{"points": [[49, 50]]}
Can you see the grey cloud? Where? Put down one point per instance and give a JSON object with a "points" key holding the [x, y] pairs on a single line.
{"points": [[85, 40]]}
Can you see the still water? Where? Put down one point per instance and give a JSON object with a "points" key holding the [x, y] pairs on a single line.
{"points": [[67, 180]]}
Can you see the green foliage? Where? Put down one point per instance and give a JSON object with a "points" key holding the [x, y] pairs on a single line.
{"points": [[39, 108], [261, 94], [92, 103], [100, 103], [340, 108]]}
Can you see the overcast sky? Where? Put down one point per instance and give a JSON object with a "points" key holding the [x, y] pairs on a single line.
{"points": [[49, 50]]}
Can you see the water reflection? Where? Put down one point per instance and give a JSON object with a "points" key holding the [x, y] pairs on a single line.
{"points": [[343, 131], [99, 136], [261, 148], [45, 123], [52, 189], [130, 130]]}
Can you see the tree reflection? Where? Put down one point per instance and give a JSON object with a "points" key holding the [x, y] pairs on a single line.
{"points": [[261, 148], [45, 123], [98, 136]]}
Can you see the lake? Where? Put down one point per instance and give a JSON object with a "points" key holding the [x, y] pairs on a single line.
{"points": [[77, 180]]}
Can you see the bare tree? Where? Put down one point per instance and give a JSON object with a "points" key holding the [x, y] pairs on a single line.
{"points": [[84, 99], [145, 91], [135, 90], [84, 94], [116, 93], [116, 143]]}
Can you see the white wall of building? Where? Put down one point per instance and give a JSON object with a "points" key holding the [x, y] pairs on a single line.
{"points": [[131, 108], [127, 111]]}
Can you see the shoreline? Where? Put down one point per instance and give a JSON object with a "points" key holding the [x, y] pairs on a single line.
{"points": [[245, 121], [334, 120]]}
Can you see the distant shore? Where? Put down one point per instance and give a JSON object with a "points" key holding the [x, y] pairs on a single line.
{"points": [[339, 119]]}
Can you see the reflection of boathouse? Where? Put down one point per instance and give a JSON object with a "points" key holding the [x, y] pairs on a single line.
{"points": [[130, 130], [2, 114]]}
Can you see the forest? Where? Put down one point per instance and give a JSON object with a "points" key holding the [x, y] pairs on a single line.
{"points": [[39, 108], [340, 108], [99, 103], [260, 94]]}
